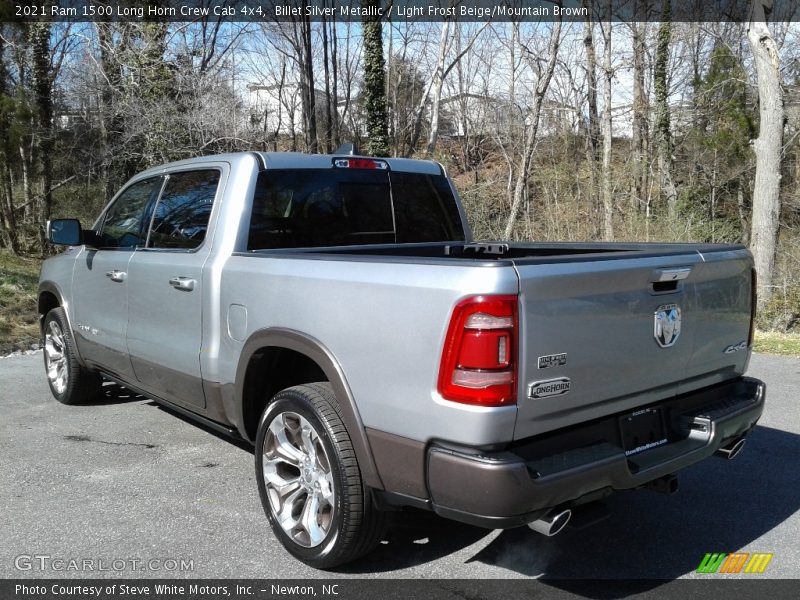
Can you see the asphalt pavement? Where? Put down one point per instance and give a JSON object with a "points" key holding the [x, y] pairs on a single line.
{"points": [[126, 483]]}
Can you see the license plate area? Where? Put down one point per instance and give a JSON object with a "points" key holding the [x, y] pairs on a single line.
{"points": [[642, 430]]}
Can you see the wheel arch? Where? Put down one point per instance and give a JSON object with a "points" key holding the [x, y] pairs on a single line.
{"points": [[49, 297], [275, 358]]}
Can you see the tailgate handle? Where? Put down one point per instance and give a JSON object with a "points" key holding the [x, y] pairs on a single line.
{"points": [[670, 274]]}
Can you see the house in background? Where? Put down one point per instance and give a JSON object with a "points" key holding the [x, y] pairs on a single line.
{"points": [[483, 115], [276, 109]]}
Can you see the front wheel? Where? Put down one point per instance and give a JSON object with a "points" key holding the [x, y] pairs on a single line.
{"points": [[70, 383], [309, 480]]}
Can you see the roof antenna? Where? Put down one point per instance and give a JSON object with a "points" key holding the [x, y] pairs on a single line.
{"points": [[349, 149]]}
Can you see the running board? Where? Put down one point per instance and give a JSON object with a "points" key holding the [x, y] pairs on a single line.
{"points": [[229, 431]]}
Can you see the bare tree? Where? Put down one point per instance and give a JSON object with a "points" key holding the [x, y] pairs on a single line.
{"points": [[607, 175], [532, 119], [663, 128], [442, 69], [640, 114], [766, 189], [7, 217], [593, 119]]}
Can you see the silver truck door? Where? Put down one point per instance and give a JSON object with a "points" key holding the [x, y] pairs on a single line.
{"points": [[165, 323], [100, 279]]}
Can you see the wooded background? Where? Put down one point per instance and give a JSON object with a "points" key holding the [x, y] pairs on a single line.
{"points": [[597, 130]]}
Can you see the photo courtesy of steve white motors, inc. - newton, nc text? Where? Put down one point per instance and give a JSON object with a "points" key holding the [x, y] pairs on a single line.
{"points": [[399, 299]]}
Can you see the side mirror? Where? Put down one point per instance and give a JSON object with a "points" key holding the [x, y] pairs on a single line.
{"points": [[65, 232]]}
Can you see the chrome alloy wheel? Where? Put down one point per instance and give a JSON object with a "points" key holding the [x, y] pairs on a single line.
{"points": [[55, 357], [298, 478]]}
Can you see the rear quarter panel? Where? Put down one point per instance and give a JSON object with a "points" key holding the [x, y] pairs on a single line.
{"points": [[384, 323]]}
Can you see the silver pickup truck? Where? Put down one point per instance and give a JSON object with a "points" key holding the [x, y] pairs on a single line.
{"points": [[335, 312]]}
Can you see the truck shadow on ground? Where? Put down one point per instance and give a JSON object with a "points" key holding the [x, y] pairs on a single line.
{"points": [[113, 393], [722, 506]]}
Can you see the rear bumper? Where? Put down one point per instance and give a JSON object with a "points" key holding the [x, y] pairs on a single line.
{"points": [[568, 467]]}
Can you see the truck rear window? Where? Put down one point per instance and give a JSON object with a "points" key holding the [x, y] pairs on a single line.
{"points": [[306, 208]]}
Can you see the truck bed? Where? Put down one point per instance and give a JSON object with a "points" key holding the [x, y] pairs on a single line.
{"points": [[593, 304]]}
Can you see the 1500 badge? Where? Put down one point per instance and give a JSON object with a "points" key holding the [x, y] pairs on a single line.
{"points": [[550, 387], [553, 360]]}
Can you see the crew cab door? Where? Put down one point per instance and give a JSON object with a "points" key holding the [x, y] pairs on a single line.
{"points": [[100, 279], [165, 322]]}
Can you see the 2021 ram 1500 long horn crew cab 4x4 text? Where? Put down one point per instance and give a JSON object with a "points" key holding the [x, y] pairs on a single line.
{"points": [[334, 311]]}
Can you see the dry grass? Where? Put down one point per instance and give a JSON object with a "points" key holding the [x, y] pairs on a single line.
{"points": [[19, 279], [772, 342]]}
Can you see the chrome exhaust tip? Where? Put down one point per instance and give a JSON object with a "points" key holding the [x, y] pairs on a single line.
{"points": [[552, 523], [731, 451]]}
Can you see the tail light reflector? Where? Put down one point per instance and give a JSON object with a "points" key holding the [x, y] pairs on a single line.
{"points": [[479, 359]]}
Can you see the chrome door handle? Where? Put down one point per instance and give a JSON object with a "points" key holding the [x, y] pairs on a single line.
{"points": [[117, 276], [182, 283]]}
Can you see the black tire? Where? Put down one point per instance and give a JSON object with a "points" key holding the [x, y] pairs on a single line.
{"points": [[79, 385], [355, 524]]}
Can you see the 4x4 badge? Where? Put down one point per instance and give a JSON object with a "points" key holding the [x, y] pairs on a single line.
{"points": [[667, 325]]}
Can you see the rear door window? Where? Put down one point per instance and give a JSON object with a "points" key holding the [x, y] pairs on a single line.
{"points": [[180, 219]]}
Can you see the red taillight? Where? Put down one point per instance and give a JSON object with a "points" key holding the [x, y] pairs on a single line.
{"points": [[479, 360], [360, 163], [753, 303]]}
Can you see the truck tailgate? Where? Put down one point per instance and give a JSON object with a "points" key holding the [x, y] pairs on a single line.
{"points": [[588, 345]]}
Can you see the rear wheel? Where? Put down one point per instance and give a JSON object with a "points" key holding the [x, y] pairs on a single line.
{"points": [[309, 480], [70, 383]]}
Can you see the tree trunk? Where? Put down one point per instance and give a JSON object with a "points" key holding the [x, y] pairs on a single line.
{"points": [[7, 217], [766, 198], [607, 183], [593, 125], [309, 99], [640, 110], [438, 80], [26, 167], [526, 160], [328, 102], [375, 86], [416, 129], [7, 209], [337, 139], [43, 84], [663, 132], [743, 217]]}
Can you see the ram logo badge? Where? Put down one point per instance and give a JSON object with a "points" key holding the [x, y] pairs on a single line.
{"points": [[553, 360], [667, 325], [550, 387]]}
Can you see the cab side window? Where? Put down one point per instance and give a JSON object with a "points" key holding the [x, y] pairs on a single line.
{"points": [[125, 223], [180, 218]]}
